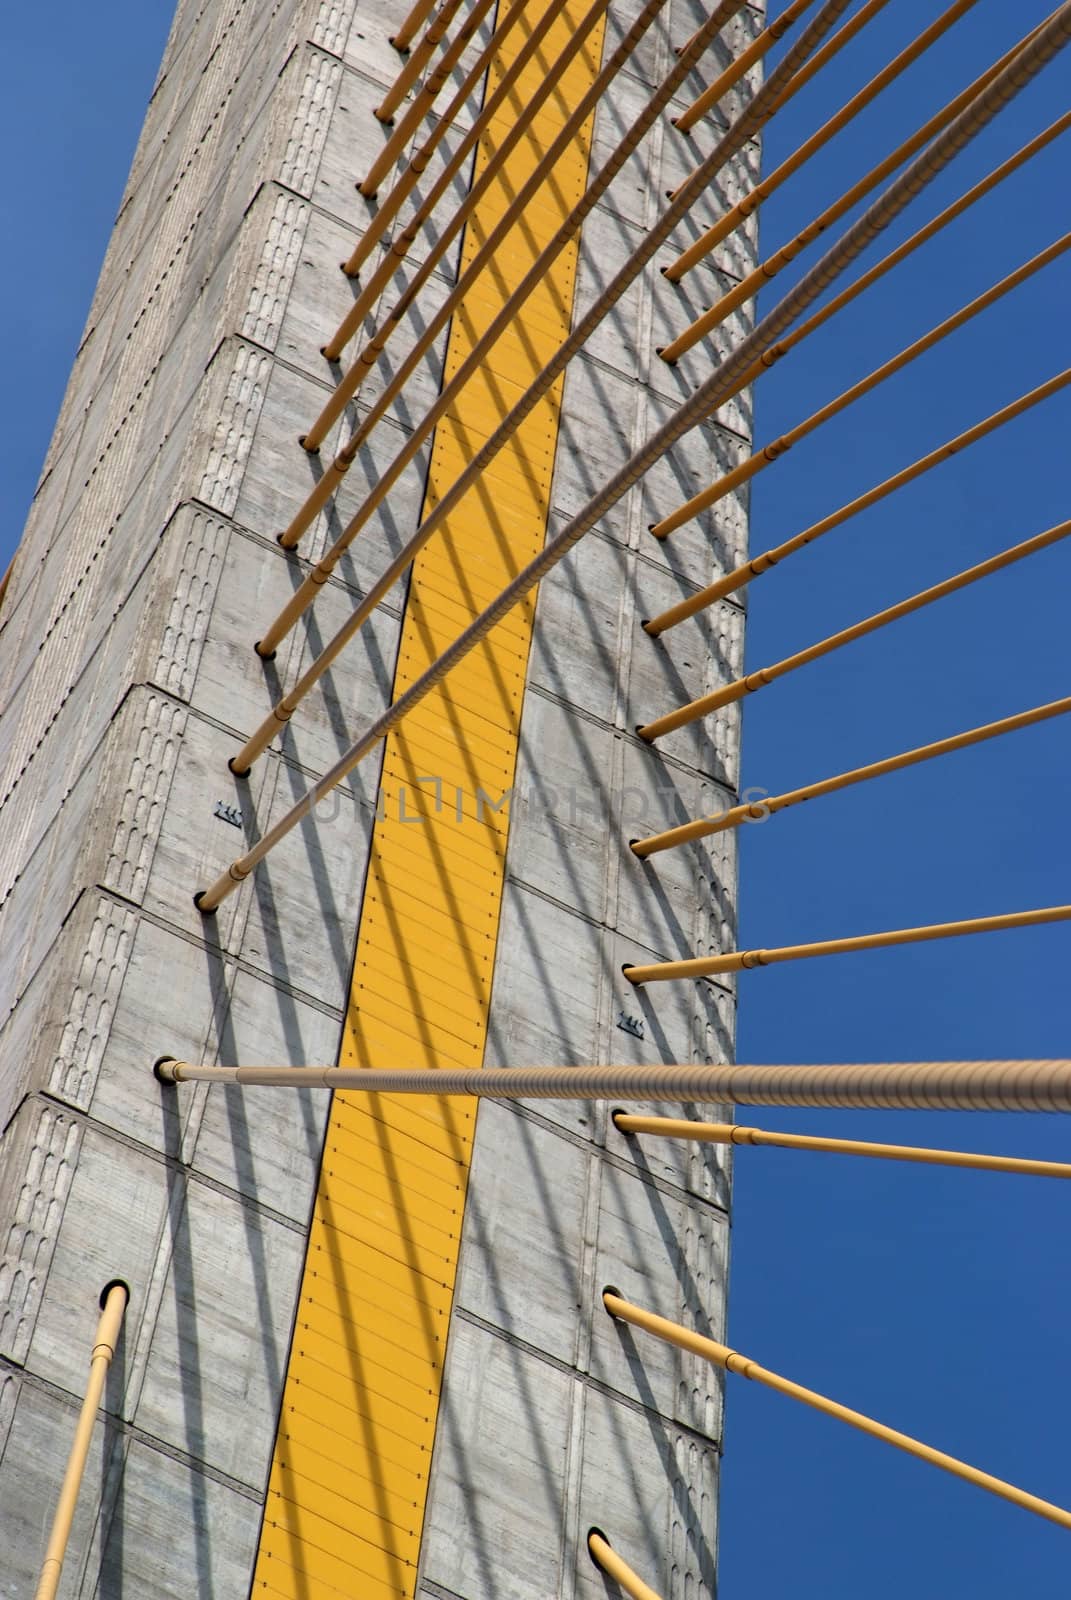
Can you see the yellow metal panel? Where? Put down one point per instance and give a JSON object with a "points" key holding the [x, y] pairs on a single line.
{"points": [[419, 1033], [484, 756], [390, 1482], [345, 1503], [426, 1118], [414, 1035], [438, 917], [331, 1553], [382, 1192], [380, 1179], [378, 1142], [412, 1365], [384, 1458]]}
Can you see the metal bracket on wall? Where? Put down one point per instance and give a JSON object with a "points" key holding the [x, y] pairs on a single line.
{"points": [[227, 813]]}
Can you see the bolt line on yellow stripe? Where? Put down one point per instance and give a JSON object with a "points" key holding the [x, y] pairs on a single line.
{"points": [[847, 114], [756, 811], [900, 1085], [744, 960], [733, 1133], [732, 1361], [699, 405], [763, 676], [742, 575], [761, 459]]}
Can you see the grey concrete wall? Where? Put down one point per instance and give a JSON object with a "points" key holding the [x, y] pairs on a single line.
{"points": [[126, 680]]}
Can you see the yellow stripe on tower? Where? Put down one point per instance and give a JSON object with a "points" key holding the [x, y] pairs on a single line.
{"points": [[349, 1478]]}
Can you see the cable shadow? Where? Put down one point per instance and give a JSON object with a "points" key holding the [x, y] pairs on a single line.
{"points": [[382, 677], [273, 945], [242, 1141], [191, 1391], [110, 1580]]}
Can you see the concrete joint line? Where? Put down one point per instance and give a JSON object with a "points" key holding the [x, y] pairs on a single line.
{"points": [[130, 1431], [161, 1158], [587, 1380], [631, 1169]]}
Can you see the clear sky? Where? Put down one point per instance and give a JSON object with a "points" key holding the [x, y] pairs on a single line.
{"points": [[937, 1301]]}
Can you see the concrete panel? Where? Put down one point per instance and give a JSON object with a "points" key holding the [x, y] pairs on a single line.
{"points": [[523, 1247], [320, 295], [649, 62], [669, 1257], [213, 1376], [652, 1490], [422, 388], [10, 1384], [279, 475], [736, 254], [496, 1501], [353, 137], [236, 686], [173, 1526], [560, 999], [45, 890], [264, 1144], [703, 1170], [31, 1471], [663, 161], [582, 635], [589, 791], [119, 1090], [430, 232], [604, 423], [299, 911], [110, 1226], [294, 917], [41, 1149]]}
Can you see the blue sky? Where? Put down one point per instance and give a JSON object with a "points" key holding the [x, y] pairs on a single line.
{"points": [[935, 1300]]}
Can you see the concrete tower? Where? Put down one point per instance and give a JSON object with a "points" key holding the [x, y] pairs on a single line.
{"points": [[365, 1352]]}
